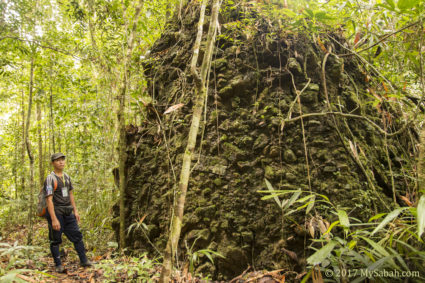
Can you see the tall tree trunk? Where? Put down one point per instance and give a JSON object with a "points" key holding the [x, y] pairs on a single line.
{"points": [[52, 124], [65, 141], [121, 119], [84, 159], [40, 146], [59, 140], [421, 161], [200, 94], [15, 160], [46, 144], [23, 145], [30, 154]]}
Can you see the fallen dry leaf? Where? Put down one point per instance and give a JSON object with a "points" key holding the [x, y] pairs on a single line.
{"points": [[406, 200], [173, 108], [317, 275], [322, 46], [143, 218], [26, 278]]}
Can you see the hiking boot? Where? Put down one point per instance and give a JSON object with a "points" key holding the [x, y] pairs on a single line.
{"points": [[88, 263], [60, 269]]}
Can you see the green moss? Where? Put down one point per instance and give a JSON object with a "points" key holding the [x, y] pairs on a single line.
{"points": [[213, 116], [261, 141], [244, 141], [268, 172], [217, 182], [235, 102], [294, 66], [289, 156], [225, 90], [224, 224], [219, 63], [232, 152]]}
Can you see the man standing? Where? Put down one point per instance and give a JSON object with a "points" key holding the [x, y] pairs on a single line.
{"points": [[62, 214]]}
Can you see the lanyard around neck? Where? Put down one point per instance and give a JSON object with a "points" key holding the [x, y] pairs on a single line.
{"points": [[63, 179]]}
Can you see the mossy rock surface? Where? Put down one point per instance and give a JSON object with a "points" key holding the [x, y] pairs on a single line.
{"points": [[244, 141]]}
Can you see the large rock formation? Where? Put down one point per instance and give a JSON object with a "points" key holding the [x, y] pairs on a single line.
{"points": [[244, 141]]}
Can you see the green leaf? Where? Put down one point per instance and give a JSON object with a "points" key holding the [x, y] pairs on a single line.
{"points": [[421, 215], [407, 4], [309, 12], [208, 255], [298, 208], [274, 195], [305, 198], [325, 197], [377, 247], [343, 218], [331, 226], [294, 197], [270, 187], [381, 251], [11, 276], [306, 277], [310, 205], [322, 15], [392, 215], [377, 216], [399, 258], [391, 4], [379, 263], [321, 254], [289, 13]]}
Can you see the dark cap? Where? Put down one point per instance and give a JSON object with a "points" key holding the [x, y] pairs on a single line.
{"points": [[55, 156]]}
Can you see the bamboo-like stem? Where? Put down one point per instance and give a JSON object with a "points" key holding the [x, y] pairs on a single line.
{"points": [[23, 143], [40, 146], [421, 161], [200, 93], [52, 123], [300, 111], [30, 153]]}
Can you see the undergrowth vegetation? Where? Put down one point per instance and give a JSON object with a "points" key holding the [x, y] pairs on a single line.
{"points": [[387, 248]]}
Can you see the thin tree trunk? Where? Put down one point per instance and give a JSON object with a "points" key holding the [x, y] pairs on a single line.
{"points": [[46, 144], [65, 141], [59, 140], [121, 120], [15, 161], [40, 146], [421, 161], [52, 123], [30, 154], [23, 145], [84, 158], [200, 93]]}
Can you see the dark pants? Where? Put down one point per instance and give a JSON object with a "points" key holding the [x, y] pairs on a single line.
{"points": [[70, 227]]}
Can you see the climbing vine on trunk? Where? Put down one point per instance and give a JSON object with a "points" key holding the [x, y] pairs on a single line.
{"points": [[200, 93]]}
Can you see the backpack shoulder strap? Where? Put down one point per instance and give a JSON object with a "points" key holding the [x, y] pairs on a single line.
{"points": [[55, 181]]}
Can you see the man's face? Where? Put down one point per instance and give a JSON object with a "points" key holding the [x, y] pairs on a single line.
{"points": [[59, 163]]}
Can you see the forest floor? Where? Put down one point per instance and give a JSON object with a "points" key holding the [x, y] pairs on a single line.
{"points": [[33, 263], [20, 262]]}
